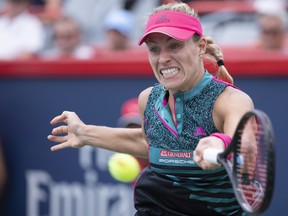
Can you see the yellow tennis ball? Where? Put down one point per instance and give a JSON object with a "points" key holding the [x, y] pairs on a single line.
{"points": [[123, 167]]}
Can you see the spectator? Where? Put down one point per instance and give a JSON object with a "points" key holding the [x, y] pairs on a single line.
{"points": [[130, 118], [68, 41], [49, 4], [47, 10], [21, 33], [272, 20], [118, 28], [88, 14]]}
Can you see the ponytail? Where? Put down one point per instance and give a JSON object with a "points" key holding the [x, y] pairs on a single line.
{"points": [[214, 51]]}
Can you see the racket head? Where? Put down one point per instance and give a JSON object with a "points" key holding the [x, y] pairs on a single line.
{"points": [[251, 160]]}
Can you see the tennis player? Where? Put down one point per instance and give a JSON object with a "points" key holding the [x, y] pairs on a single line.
{"points": [[188, 111]]}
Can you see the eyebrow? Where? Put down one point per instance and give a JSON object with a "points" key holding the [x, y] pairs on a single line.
{"points": [[151, 41]]}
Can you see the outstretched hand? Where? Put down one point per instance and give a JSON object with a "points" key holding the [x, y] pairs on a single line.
{"points": [[66, 135], [204, 143]]}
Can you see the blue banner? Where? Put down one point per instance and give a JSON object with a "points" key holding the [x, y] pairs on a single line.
{"points": [[75, 182]]}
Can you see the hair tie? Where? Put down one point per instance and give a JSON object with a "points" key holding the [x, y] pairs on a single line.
{"points": [[220, 62]]}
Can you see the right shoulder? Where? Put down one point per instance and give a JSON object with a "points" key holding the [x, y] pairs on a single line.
{"points": [[143, 98], [150, 94], [145, 93]]}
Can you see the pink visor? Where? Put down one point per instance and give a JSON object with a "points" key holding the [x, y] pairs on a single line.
{"points": [[177, 25]]}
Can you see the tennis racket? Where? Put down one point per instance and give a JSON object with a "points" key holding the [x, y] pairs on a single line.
{"points": [[250, 161]]}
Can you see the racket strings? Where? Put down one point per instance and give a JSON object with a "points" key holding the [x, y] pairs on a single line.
{"points": [[251, 161]]}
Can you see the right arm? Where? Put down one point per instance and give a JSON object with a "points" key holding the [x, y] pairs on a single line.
{"points": [[76, 134]]}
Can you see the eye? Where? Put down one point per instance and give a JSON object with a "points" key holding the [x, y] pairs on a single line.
{"points": [[174, 46], [153, 49]]}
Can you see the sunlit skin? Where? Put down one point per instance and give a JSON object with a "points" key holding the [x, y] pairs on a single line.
{"points": [[181, 57]]}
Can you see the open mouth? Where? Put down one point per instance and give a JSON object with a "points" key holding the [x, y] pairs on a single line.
{"points": [[169, 72]]}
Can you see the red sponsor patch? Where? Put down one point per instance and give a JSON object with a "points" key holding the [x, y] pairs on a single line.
{"points": [[170, 154]]}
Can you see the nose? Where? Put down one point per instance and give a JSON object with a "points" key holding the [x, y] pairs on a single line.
{"points": [[164, 56]]}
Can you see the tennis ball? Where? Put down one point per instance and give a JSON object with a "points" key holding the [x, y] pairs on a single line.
{"points": [[123, 167]]}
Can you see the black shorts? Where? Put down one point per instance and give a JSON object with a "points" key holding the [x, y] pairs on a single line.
{"points": [[156, 194]]}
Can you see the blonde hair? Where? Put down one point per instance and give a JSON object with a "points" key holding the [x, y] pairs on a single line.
{"points": [[177, 6], [212, 49]]}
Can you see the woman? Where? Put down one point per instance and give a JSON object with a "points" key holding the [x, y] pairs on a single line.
{"points": [[187, 112]]}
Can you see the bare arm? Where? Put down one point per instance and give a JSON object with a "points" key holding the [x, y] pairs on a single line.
{"points": [[125, 140], [73, 133], [229, 108], [76, 134]]}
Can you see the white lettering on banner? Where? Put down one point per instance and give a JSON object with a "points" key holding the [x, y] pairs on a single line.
{"points": [[88, 198]]}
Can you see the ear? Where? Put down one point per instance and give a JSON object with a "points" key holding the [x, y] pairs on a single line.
{"points": [[202, 44]]}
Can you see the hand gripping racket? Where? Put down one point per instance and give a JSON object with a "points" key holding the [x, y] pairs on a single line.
{"points": [[250, 161]]}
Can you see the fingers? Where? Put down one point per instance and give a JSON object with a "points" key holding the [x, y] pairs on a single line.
{"points": [[203, 144], [63, 129], [205, 165], [60, 130], [58, 139], [198, 159], [197, 156], [198, 152], [60, 118], [59, 146]]}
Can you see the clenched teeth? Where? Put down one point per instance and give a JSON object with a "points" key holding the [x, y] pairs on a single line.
{"points": [[169, 71]]}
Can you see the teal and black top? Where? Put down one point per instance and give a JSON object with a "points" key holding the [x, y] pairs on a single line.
{"points": [[172, 168]]}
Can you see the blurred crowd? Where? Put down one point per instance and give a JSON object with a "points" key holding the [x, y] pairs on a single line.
{"points": [[85, 29]]}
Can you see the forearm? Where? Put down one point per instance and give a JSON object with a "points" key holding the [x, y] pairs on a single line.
{"points": [[125, 140]]}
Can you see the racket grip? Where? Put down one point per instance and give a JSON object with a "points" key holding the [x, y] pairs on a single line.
{"points": [[210, 155]]}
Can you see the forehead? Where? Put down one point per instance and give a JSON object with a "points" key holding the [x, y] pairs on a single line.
{"points": [[65, 26], [158, 37], [271, 20]]}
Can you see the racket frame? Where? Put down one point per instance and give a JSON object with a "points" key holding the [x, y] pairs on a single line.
{"points": [[231, 168]]}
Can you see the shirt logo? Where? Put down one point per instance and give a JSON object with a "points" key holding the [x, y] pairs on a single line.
{"points": [[165, 153], [199, 132]]}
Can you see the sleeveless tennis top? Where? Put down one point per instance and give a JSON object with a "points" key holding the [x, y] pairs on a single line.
{"points": [[171, 147]]}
